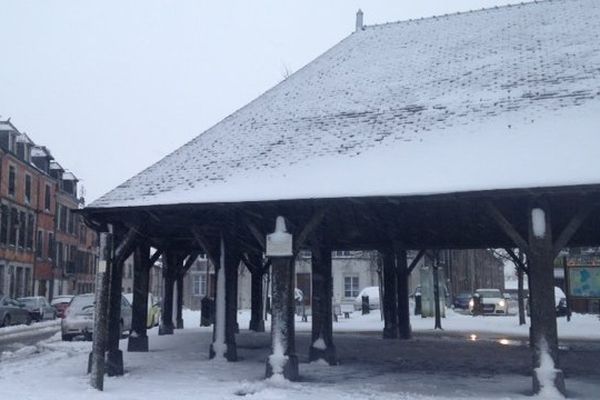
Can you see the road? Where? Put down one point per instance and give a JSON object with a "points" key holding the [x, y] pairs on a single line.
{"points": [[15, 337]]}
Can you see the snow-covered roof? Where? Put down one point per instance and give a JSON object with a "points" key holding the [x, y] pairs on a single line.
{"points": [[465, 102], [40, 151], [56, 166], [7, 126], [69, 176], [24, 138]]}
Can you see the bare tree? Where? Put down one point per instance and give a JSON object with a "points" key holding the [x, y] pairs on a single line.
{"points": [[517, 257]]}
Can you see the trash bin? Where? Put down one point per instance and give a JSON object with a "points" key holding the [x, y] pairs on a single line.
{"points": [[207, 311], [365, 305], [417, 303]]}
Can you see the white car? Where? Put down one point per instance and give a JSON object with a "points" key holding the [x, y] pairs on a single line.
{"points": [[79, 317], [373, 293], [492, 302]]}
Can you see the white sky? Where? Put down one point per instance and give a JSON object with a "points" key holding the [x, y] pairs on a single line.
{"points": [[112, 87]]}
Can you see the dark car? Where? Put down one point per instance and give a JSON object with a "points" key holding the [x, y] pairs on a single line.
{"points": [[461, 300], [38, 307], [13, 312]]}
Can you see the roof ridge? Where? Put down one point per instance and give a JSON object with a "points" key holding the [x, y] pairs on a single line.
{"points": [[454, 14]]}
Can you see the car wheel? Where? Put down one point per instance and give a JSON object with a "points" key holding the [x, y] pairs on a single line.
{"points": [[6, 320], [28, 320], [67, 338], [41, 318]]}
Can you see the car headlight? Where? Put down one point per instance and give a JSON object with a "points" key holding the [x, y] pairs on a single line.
{"points": [[502, 303], [471, 303]]}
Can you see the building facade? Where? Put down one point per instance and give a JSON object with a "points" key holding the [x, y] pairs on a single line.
{"points": [[45, 248]]}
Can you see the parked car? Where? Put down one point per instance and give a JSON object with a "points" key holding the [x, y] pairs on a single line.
{"points": [[373, 293], [461, 300], [13, 312], [492, 301], [560, 302], [38, 307], [153, 318], [61, 303], [79, 317]]}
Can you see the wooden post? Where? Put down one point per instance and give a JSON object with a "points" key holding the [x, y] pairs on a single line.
{"points": [[436, 292], [138, 338], [166, 325], [520, 294], [179, 316], [232, 259], [543, 311], [97, 363], [404, 330], [283, 360], [114, 357], [257, 322], [390, 314], [322, 347]]}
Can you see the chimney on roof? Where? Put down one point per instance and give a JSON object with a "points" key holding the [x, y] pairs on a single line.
{"points": [[359, 21]]}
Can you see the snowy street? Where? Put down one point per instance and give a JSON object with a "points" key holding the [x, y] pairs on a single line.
{"points": [[444, 365]]}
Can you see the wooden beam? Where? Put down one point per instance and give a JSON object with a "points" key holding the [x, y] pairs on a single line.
{"points": [[155, 257], [203, 242], [127, 244], [572, 227], [507, 227], [416, 260], [251, 267], [190, 260], [256, 233], [518, 262], [308, 228]]}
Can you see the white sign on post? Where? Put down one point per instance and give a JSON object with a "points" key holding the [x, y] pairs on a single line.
{"points": [[279, 243]]}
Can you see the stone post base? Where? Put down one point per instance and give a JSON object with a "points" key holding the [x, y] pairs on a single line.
{"points": [[137, 343], [114, 363], [257, 325], [328, 354], [165, 330], [179, 324]]}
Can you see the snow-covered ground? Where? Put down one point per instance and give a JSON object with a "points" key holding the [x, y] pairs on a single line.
{"points": [[426, 367]]}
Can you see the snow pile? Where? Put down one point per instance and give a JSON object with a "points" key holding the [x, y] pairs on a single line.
{"points": [[278, 359], [319, 344], [538, 220], [546, 374]]}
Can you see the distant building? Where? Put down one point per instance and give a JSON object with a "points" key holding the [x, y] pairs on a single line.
{"points": [[45, 248]]}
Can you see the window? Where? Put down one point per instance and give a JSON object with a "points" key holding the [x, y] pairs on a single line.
{"points": [[39, 244], [199, 284], [350, 286], [62, 219], [28, 189], [71, 222], [47, 198], [30, 226], [22, 228], [14, 226], [11, 180], [51, 246], [2, 288], [4, 223]]}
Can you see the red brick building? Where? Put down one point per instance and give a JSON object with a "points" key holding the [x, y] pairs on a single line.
{"points": [[45, 248]]}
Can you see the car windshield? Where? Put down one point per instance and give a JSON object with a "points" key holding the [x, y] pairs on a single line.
{"points": [[464, 296], [28, 301], [488, 294], [82, 303]]}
